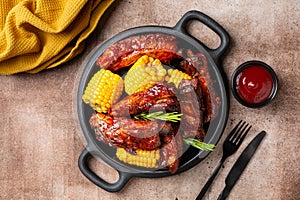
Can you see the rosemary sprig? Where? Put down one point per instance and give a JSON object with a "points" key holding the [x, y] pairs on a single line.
{"points": [[200, 145], [175, 117], [160, 115]]}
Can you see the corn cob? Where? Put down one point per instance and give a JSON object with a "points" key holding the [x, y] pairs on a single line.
{"points": [[175, 76], [142, 158], [103, 90], [144, 87], [144, 71]]}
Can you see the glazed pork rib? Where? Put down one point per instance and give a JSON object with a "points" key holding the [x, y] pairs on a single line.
{"points": [[187, 99], [192, 108], [156, 98], [129, 133], [125, 52], [196, 65], [119, 130], [140, 134], [171, 151]]}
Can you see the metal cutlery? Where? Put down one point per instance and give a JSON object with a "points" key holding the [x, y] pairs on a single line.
{"points": [[230, 146], [240, 165]]}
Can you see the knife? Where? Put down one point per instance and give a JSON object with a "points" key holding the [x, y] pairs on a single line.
{"points": [[240, 165]]}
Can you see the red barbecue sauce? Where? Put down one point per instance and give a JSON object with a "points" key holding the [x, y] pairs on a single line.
{"points": [[254, 84]]}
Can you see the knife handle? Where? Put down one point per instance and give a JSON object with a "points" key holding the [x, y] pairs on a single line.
{"points": [[224, 194]]}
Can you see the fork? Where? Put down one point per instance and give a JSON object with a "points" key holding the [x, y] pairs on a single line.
{"points": [[231, 144]]}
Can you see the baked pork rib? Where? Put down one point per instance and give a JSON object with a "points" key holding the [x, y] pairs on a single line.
{"points": [[196, 65], [192, 108], [159, 97], [125, 52], [129, 133], [118, 129]]}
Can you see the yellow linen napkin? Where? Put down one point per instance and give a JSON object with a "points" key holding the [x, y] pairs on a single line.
{"points": [[42, 34]]}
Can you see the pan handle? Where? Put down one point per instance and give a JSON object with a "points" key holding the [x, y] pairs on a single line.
{"points": [[181, 26], [86, 170]]}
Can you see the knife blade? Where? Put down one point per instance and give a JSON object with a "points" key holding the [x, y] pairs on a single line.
{"points": [[241, 163]]}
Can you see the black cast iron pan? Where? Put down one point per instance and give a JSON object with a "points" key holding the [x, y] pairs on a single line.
{"points": [[192, 156]]}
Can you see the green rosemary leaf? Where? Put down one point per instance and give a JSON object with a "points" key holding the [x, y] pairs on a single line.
{"points": [[160, 115], [200, 145]]}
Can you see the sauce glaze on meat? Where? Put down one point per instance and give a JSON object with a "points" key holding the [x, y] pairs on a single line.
{"points": [[196, 99]]}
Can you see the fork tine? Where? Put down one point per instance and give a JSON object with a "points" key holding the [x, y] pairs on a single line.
{"points": [[233, 130], [237, 132], [239, 142]]}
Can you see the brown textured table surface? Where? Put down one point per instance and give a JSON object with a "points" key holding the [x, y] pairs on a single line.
{"points": [[40, 144]]}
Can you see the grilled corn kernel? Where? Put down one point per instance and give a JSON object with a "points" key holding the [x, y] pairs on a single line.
{"points": [[103, 90], [146, 70], [175, 76], [142, 158]]}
